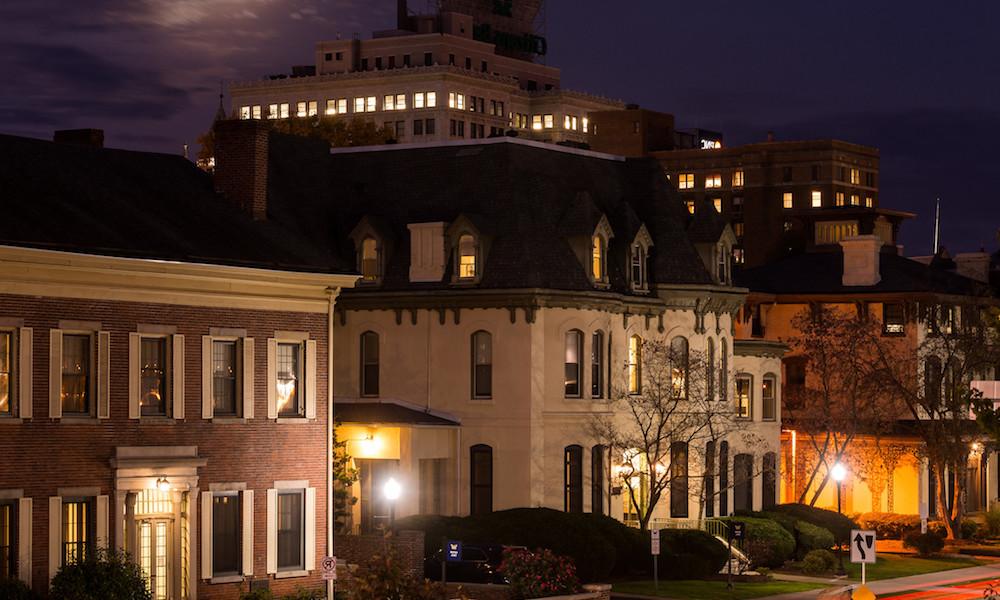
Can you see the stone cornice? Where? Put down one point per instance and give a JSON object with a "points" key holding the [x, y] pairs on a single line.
{"points": [[766, 348]]}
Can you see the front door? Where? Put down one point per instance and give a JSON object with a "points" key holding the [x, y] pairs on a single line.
{"points": [[154, 556]]}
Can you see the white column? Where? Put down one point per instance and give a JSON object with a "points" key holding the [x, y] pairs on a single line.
{"points": [[193, 543], [118, 514], [922, 488]]}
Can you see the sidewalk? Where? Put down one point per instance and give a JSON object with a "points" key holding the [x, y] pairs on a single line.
{"points": [[927, 581]]}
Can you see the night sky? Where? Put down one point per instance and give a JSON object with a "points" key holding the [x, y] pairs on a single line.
{"points": [[920, 80]]}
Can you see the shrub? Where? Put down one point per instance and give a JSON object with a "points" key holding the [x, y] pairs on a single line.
{"points": [[889, 526], [837, 524], [15, 589], [811, 538], [925, 544], [103, 575], [767, 543], [970, 529], [817, 562], [690, 554], [256, 594], [384, 579], [539, 574], [993, 522]]}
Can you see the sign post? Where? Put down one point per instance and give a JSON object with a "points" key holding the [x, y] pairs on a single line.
{"points": [[452, 553], [737, 531], [329, 567], [862, 550], [654, 540]]}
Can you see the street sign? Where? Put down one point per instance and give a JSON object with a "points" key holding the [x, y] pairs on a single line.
{"points": [[453, 551], [655, 541], [737, 529], [329, 566], [862, 546]]}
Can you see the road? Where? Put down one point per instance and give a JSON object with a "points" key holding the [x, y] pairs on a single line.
{"points": [[957, 583]]}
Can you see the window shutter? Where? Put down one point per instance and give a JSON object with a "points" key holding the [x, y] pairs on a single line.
{"points": [[134, 368], [206, 535], [248, 395], [24, 360], [102, 522], [177, 380], [311, 379], [248, 553], [55, 373], [272, 531], [310, 544], [55, 535], [206, 377], [103, 375], [272, 378], [24, 540]]}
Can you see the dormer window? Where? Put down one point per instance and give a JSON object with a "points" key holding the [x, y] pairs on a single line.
{"points": [[638, 257], [372, 245], [370, 260], [469, 247], [723, 269], [467, 257], [598, 254]]}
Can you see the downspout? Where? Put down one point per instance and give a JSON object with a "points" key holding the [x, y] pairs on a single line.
{"points": [[332, 294]]}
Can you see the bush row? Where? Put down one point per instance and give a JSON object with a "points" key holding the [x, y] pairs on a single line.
{"points": [[891, 526]]}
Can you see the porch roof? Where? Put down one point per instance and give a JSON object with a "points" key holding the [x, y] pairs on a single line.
{"points": [[389, 412]]}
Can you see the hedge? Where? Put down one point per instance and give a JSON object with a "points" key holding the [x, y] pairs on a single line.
{"points": [[837, 524], [690, 554], [892, 526], [808, 537], [767, 543]]}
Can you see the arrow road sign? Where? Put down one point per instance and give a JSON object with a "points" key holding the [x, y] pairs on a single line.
{"points": [[862, 546]]}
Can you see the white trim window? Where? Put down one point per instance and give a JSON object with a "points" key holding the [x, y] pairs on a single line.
{"points": [[291, 377], [79, 373], [227, 533], [155, 376], [15, 536], [15, 373], [227, 367], [78, 524], [291, 529]]}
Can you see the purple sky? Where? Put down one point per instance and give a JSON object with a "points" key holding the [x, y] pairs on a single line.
{"points": [[918, 79]]}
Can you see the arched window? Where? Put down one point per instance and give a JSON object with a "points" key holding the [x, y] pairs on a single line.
{"points": [[679, 480], [709, 487], [710, 370], [743, 482], [744, 396], [723, 479], [573, 352], [638, 266], [369, 363], [597, 480], [679, 367], [371, 267], [635, 365], [480, 480], [467, 267], [768, 398], [597, 365], [724, 371], [598, 248], [769, 481], [482, 365], [573, 478]]}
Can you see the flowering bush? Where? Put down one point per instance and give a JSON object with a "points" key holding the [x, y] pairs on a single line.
{"points": [[539, 574]]}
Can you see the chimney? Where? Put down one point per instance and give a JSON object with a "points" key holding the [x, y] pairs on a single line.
{"points": [[427, 255], [241, 157], [770, 136], [974, 265], [861, 260], [93, 138]]}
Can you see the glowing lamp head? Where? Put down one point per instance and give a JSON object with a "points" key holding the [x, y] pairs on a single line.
{"points": [[392, 490], [163, 484], [838, 472]]}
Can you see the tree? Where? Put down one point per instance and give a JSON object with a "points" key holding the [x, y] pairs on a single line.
{"points": [[827, 396], [344, 476], [665, 414]]}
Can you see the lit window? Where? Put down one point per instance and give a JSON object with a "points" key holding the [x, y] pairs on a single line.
{"points": [[566, 122], [549, 121], [786, 200], [685, 181], [244, 112], [717, 203], [370, 267], [272, 111], [855, 200], [456, 101], [586, 124], [839, 199], [597, 258], [6, 361], [744, 397], [466, 257], [313, 108], [574, 351], [868, 202], [767, 397], [359, 105], [432, 99], [482, 369], [388, 102], [635, 365], [76, 370], [713, 181], [817, 199], [370, 104], [738, 229], [418, 100], [8, 539], [153, 377], [283, 110], [893, 319], [679, 367], [738, 178], [256, 111], [855, 177], [690, 206], [78, 526], [300, 109], [289, 380], [536, 121], [638, 260], [331, 107]]}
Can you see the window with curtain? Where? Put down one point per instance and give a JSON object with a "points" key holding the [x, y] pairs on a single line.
{"points": [[481, 480], [482, 365], [744, 397], [291, 530], [679, 480], [371, 267], [76, 373], [153, 376], [769, 481], [226, 539], [635, 365], [573, 353], [597, 480], [768, 389], [224, 367], [573, 479], [369, 363], [6, 372], [78, 529], [289, 382], [679, 367], [597, 365], [597, 258], [467, 257]]}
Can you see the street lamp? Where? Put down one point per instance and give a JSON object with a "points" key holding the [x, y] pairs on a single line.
{"points": [[392, 491], [839, 472]]}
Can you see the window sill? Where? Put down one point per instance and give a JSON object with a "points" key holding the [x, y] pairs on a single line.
{"points": [[226, 579], [228, 420], [290, 574], [81, 420], [10, 420], [289, 420]]}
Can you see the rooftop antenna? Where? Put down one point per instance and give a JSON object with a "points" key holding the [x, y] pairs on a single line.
{"points": [[937, 225], [220, 113]]}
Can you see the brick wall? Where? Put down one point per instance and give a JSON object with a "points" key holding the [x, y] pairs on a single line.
{"points": [[241, 163], [357, 549], [41, 455]]}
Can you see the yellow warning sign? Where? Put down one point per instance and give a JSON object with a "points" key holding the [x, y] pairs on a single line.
{"points": [[862, 593]]}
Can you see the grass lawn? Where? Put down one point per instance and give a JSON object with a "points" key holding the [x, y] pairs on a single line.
{"points": [[709, 590], [893, 565]]}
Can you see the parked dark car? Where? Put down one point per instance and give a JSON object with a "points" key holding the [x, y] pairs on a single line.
{"points": [[479, 564]]}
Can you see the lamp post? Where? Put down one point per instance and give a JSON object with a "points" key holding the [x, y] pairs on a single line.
{"points": [[839, 472], [392, 490]]}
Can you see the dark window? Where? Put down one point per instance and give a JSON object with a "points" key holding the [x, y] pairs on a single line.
{"points": [[6, 375], [153, 377], [364, 64], [8, 540], [933, 375], [743, 482], [724, 371], [428, 59], [723, 479], [786, 174], [710, 479], [340, 56], [481, 480], [378, 63], [710, 370], [451, 59], [369, 363], [768, 407], [597, 480], [531, 85], [328, 56], [224, 367], [597, 364], [756, 322], [573, 352], [769, 481], [226, 520], [77, 529], [815, 173], [744, 397], [392, 62], [406, 60], [483, 66], [482, 365], [76, 368], [893, 320], [429, 126], [400, 129], [418, 127], [679, 480], [468, 63], [289, 381], [843, 173], [573, 479], [291, 525]]}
